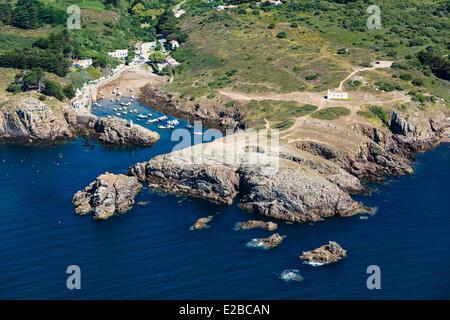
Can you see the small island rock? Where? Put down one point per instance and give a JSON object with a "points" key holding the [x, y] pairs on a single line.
{"points": [[327, 253], [252, 224]]}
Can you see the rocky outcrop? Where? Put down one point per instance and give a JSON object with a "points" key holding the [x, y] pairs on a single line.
{"points": [[201, 223], [30, 120], [212, 116], [252, 224], [107, 195], [327, 253], [219, 184], [294, 195], [117, 132], [266, 243], [283, 193]]}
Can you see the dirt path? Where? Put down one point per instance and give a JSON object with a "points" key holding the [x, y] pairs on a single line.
{"points": [[380, 64]]}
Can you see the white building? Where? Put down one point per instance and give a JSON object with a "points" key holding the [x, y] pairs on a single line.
{"points": [[174, 44], [171, 62], [82, 63], [337, 95], [273, 2], [121, 54], [179, 13]]}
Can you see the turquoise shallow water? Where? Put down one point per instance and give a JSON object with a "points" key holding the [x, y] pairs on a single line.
{"points": [[149, 253]]}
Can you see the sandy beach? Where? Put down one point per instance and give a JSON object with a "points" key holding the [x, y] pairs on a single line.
{"points": [[134, 78]]}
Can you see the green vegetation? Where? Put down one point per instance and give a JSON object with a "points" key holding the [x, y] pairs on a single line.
{"points": [[284, 125], [331, 113]]}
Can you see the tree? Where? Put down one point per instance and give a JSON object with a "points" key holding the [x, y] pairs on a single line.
{"points": [[53, 88], [69, 91], [25, 15], [5, 13], [157, 56]]}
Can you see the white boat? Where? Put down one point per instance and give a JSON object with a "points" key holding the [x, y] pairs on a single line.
{"points": [[124, 113], [189, 126], [161, 127], [114, 109], [198, 133], [118, 114]]}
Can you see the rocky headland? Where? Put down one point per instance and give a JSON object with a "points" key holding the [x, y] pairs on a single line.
{"points": [[327, 253], [33, 122], [306, 181]]}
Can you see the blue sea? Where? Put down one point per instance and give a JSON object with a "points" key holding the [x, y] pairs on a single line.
{"points": [[150, 253]]}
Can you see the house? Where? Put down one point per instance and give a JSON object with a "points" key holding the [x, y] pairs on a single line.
{"points": [[337, 95], [220, 8], [273, 2], [121, 54], [174, 44], [179, 13], [171, 62], [82, 63]]}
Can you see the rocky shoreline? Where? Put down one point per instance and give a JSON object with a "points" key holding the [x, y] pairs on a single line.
{"points": [[32, 122], [217, 117]]}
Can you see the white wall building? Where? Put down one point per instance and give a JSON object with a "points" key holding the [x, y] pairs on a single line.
{"points": [[82, 63], [337, 95], [121, 54], [174, 44]]}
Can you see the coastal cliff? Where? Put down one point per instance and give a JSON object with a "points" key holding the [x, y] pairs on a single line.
{"points": [[30, 121]]}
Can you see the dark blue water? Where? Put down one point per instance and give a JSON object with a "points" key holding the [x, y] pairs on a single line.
{"points": [[149, 253]]}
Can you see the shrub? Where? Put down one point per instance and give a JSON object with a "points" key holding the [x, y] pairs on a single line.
{"points": [[331, 113], [14, 87], [282, 35], [380, 112], [406, 76], [54, 89], [417, 82], [312, 76]]}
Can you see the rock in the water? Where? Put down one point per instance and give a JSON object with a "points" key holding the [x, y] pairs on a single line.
{"points": [[107, 195], [116, 132], [266, 243], [143, 203], [251, 224], [327, 253], [201, 223]]}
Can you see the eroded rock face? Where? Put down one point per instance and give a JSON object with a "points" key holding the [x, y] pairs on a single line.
{"points": [[283, 193], [117, 132], [295, 196], [219, 183], [327, 253], [107, 195], [201, 223], [30, 120], [252, 224], [267, 243]]}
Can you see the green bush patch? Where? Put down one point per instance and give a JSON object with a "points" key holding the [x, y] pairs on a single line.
{"points": [[331, 113]]}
